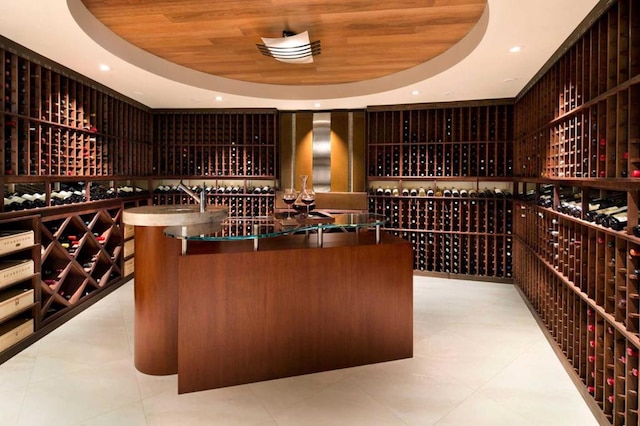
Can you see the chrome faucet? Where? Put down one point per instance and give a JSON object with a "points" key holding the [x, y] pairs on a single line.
{"points": [[202, 199]]}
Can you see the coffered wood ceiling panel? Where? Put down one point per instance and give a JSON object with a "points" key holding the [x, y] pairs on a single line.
{"points": [[360, 40]]}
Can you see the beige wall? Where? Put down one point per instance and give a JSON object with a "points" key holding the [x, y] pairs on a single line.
{"points": [[300, 146]]}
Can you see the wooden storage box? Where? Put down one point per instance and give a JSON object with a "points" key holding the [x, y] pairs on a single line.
{"points": [[129, 266], [14, 331], [128, 231], [13, 271], [128, 248], [15, 240], [14, 300]]}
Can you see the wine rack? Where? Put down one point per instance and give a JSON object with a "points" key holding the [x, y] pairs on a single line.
{"points": [[241, 200], [434, 172], [54, 124], [576, 235], [81, 254], [216, 144], [19, 281], [582, 118]]}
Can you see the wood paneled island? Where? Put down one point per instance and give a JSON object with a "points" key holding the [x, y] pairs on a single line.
{"points": [[289, 307]]}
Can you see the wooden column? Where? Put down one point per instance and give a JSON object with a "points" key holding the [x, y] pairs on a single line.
{"points": [[156, 301]]}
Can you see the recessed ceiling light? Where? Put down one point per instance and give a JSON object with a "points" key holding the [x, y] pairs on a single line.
{"points": [[415, 92], [316, 105], [515, 49], [105, 67], [218, 98]]}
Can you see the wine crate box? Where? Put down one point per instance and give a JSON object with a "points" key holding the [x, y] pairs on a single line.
{"points": [[129, 266], [13, 271], [14, 331], [14, 240], [128, 231], [128, 248], [14, 300]]}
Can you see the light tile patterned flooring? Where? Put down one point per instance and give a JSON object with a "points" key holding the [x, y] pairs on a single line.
{"points": [[479, 359]]}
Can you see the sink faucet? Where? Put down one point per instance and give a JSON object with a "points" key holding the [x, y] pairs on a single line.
{"points": [[202, 199]]}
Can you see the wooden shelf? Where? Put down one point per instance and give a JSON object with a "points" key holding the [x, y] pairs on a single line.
{"points": [[216, 144], [578, 128], [413, 150]]}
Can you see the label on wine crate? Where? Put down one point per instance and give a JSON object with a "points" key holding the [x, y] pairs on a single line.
{"points": [[13, 301], [128, 248], [129, 266], [128, 231], [14, 331], [15, 240], [13, 271]]}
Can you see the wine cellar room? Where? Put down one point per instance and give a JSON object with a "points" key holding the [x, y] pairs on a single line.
{"points": [[306, 212]]}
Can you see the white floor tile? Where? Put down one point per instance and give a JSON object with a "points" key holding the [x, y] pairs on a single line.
{"points": [[479, 359]]}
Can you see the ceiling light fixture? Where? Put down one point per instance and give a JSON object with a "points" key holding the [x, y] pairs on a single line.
{"points": [[291, 48], [415, 92], [104, 67], [218, 98], [515, 49]]}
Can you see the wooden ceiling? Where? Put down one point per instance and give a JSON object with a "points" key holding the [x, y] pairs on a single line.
{"points": [[360, 40]]}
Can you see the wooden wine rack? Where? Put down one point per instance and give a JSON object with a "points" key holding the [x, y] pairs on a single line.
{"points": [[578, 126], [82, 253], [57, 125], [445, 146], [216, 144]]}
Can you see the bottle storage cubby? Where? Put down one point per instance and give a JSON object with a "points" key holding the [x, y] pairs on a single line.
{"points": [[52, 193], [603, 353], [241, 198], [19, 280], [224, 144], [57, 125], [466, 234], [576, 230], [451, 141], [441, 175], [582, 118], [81, 253]]}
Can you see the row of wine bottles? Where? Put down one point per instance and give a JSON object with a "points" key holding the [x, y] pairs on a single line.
{"points": [[69, 194], [220, 189], [476, 215], [440, 192], [441, 159], [610, 212], [460, 254]]}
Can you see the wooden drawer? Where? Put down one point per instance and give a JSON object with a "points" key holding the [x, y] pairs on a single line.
{"points": [[13, 271], [12, 301], [15, 240], [129, 266], [128, 231], [128, 248], [14, 331]]}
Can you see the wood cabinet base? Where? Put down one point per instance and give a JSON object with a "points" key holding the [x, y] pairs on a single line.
{"points": [[246, 316], [156, 305]]}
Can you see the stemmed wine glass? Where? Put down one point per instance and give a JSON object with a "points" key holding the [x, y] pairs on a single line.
{"points": [[289, 197], [308, 197]]}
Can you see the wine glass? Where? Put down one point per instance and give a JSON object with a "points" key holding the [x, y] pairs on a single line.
{"points": [[308, 197], [289, 197]]}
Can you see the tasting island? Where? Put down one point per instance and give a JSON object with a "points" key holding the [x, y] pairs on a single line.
{"points": [[270, 297]]}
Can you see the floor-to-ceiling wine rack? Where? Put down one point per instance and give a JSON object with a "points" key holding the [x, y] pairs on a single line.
{"points": [[442, 175], [577, 163]]}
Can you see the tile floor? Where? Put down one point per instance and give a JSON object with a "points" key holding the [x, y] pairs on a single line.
{"points": [[479, 359]]}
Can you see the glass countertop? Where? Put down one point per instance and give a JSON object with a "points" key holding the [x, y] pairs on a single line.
{"points": [[258, 227]]}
